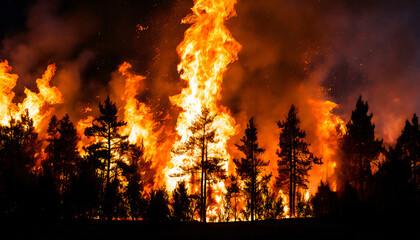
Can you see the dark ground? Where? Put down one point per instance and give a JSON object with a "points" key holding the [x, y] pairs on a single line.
{"points": [[279, 229]]}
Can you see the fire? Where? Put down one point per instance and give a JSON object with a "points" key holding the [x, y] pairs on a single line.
{"points": [[84, 140], [7, 83], [328, 131], [136, 114], [39, 105], [206, 51], [141, 127]]}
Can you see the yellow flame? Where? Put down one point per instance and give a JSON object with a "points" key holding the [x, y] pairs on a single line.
{"points": [[207, 49], [7, 83], [37, 104], [329, 129]]}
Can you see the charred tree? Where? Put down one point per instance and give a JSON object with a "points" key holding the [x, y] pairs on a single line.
{"points": [[111, 143], [251, 166], [360, 147], [295, 159]]}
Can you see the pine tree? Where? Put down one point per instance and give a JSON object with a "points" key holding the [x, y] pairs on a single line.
{"points": [[158, 206], [63, 155], [19, 147], [251, 167], [134, 173], [209, 166], [409, 144], [181, 203], [295, 159], [111, 144], [232, 191], [360, 147]]}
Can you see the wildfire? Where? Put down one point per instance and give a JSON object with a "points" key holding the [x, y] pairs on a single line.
{"points": [[329, 128], [141, 126], [7, 83], [207, 49], [37, 104]]}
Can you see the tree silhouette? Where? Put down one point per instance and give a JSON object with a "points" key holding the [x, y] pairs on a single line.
{"points": [[210, 166], [18, 151], [63, 156], [158, 207], [134, 173], [409, 145], [232, 194], [325, 201], [360, 147], [251, 167], [85, 188], [393, 183], [295, 159], [182, 203], [271, 206], [110, 147]]}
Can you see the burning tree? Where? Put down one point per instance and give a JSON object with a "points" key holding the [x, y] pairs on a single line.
{"points": [[251, 167], [111, 143], [206, 51], [199, 145], [359, 146], [295, 159]]}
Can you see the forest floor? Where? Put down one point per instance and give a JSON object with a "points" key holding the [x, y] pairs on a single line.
{"points": [[278, 229]]}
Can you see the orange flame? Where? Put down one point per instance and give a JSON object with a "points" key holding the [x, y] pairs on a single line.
{"points": [[207, 49], [329, 129], [7, 83], [38, 104], [141, 127]]}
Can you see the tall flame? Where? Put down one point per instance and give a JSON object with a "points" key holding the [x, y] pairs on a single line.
{"points": [[141, 127], [37, 104], [7, 83], [207, 49], [329, 129]]}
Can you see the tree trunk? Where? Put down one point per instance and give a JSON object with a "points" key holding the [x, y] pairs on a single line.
{"points": [[292, 177], [202, 194], [252, 185], [205, 188], [202, 184], [108, 170], [361, 180], [291, 185]]}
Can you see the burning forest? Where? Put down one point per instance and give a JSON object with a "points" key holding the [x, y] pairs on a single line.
{"points": [[209, 110]]}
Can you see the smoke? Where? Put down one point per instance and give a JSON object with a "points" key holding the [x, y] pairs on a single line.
{"points": [[51, 37], [293, 52]]}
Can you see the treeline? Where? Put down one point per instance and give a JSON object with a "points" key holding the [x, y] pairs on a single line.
{"points": [[108, 181], [376, 181]]}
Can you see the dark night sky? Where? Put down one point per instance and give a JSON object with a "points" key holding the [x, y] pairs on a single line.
{"points": [[345, 47]]}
